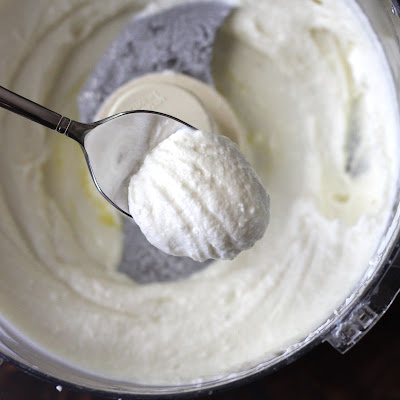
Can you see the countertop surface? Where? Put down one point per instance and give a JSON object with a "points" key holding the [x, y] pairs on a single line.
{"points": [[371, 370]]}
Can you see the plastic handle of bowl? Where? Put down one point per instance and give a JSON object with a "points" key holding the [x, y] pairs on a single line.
{"points": [[364, 315]]}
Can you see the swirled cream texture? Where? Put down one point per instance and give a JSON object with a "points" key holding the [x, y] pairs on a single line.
{"points": [[196, 195], [309, 82]]}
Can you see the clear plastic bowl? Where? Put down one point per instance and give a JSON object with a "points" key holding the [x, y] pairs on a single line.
{"points": [[344, 329]]}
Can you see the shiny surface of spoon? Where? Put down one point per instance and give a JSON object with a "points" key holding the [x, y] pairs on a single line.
{"points": [[114, 147]]}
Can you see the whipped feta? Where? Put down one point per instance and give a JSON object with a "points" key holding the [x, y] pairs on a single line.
{"points": [[196, 195], [309, 82]]}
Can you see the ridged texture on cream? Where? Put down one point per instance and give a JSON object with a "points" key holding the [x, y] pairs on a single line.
{"points": [[197, 196]]}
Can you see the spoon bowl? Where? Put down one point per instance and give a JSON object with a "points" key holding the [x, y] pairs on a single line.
{"points": [[114, 147]]}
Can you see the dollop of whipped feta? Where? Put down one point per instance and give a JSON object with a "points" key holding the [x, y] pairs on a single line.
{"points": [[196, 195]]}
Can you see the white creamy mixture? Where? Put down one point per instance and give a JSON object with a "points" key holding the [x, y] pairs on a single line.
{"points": [[309, 83], [197, 196]]}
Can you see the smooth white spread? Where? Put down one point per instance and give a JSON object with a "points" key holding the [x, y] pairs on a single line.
{"points": [[309, 83], [196, 195]]}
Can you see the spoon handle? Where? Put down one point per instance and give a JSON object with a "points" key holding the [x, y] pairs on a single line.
{"points": [[33, 111]]}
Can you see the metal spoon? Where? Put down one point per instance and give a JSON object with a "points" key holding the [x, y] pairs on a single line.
{"points": [[114, 147]]}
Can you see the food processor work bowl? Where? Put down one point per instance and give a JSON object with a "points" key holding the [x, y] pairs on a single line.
{"points": [[347, 324]]}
